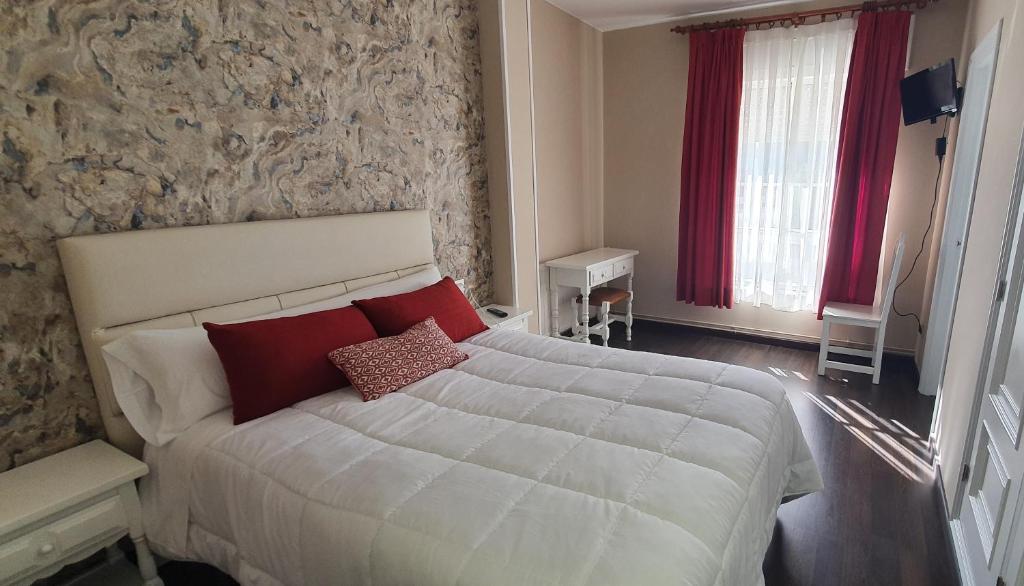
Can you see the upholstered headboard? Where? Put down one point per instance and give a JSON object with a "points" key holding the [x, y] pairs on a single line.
{"points": [[181, 277]]}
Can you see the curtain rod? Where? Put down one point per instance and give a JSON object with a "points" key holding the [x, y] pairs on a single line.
{"points": [[799, 18]]}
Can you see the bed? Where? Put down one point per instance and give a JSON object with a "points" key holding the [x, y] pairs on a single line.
{"points": [[536, 461]]}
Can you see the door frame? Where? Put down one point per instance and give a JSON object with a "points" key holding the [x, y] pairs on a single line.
{"points": [[1013, 218], [1013, 233], [946, 289]]}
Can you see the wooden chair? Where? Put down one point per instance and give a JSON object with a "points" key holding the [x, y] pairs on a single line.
{"points": [[603, 298], [867, 316]]}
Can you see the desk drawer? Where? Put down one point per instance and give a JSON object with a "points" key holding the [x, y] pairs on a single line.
{"points": [[48, 544], [622, 267], [601, 274]]}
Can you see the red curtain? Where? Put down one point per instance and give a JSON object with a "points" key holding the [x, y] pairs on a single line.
{"points": [[867, 150], [708, 191]]}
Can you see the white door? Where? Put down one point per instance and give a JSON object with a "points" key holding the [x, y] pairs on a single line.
{"points": [[971, 135], [987, 525]]}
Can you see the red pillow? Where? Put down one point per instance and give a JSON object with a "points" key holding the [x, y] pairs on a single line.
{"points": [[443, 301], [387, 364], [273, 363]]}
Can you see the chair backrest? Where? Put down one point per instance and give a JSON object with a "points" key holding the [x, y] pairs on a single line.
{"points": [[894, 275]]}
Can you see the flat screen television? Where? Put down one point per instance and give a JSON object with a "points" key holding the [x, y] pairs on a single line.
{"points": [[930, 93]]}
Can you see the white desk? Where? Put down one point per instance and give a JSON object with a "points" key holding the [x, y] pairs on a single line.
{"points": [[585, 271]]}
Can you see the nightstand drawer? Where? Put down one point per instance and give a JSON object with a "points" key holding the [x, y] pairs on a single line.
{"points": [[49, 543], [514, 320], [517, 324]]}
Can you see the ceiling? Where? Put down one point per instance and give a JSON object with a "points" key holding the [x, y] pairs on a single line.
{"points": [[608, 15]]}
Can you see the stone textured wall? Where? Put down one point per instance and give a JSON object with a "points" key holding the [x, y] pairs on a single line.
{"points": [[136, 114]]}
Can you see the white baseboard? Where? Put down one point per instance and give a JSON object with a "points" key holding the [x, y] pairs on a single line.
{"points": [[960, 547], [956, 531]]}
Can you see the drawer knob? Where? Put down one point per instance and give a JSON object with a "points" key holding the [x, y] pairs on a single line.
{"points": [[46, 548]]}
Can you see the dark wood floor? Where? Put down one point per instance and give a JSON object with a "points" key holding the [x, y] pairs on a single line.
{"points": [[879, 519]]}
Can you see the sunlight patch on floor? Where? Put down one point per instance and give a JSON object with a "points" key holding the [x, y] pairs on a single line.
{"points": [[892, 441], [786, 373]]}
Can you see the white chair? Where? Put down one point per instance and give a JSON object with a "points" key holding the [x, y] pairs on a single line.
{"points": [[867, 316]]}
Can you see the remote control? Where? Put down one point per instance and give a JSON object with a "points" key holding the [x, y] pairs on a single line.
{"points": [[497, 312]]}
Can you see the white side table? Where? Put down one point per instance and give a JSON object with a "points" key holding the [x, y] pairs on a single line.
{"points": [[66, 507], [516, 320]]}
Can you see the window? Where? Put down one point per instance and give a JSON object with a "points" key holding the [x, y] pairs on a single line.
{"points": [[793, 85]]}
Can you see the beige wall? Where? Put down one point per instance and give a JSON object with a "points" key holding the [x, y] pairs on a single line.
{"points": [[981, 256], [645, 71], [507, 80], [496, 143], [568, 96]]}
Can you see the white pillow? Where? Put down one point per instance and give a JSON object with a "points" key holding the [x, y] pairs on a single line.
{"points": [[167, 380]]}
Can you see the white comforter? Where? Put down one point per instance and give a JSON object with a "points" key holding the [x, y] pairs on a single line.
{"points": [[537, 461]]}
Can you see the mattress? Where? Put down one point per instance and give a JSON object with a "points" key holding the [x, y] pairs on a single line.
{"points": [[536, 461]]}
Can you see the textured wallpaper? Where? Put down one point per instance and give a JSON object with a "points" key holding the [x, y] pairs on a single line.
{"points": [[123, 115]]}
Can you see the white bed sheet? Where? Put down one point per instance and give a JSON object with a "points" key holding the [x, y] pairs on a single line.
{"points": [[537, 461]]}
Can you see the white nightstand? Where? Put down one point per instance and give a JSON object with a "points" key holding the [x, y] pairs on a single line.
{"points": [[64, 508], [516, 320]]}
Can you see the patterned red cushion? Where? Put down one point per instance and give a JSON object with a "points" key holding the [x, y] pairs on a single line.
{"points": [[381, 366]]}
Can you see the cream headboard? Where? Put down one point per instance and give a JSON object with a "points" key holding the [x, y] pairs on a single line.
{"points": [[180, 277]]}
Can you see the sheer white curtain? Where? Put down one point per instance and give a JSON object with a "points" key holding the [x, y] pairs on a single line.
{"points": [[793, 85]]}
